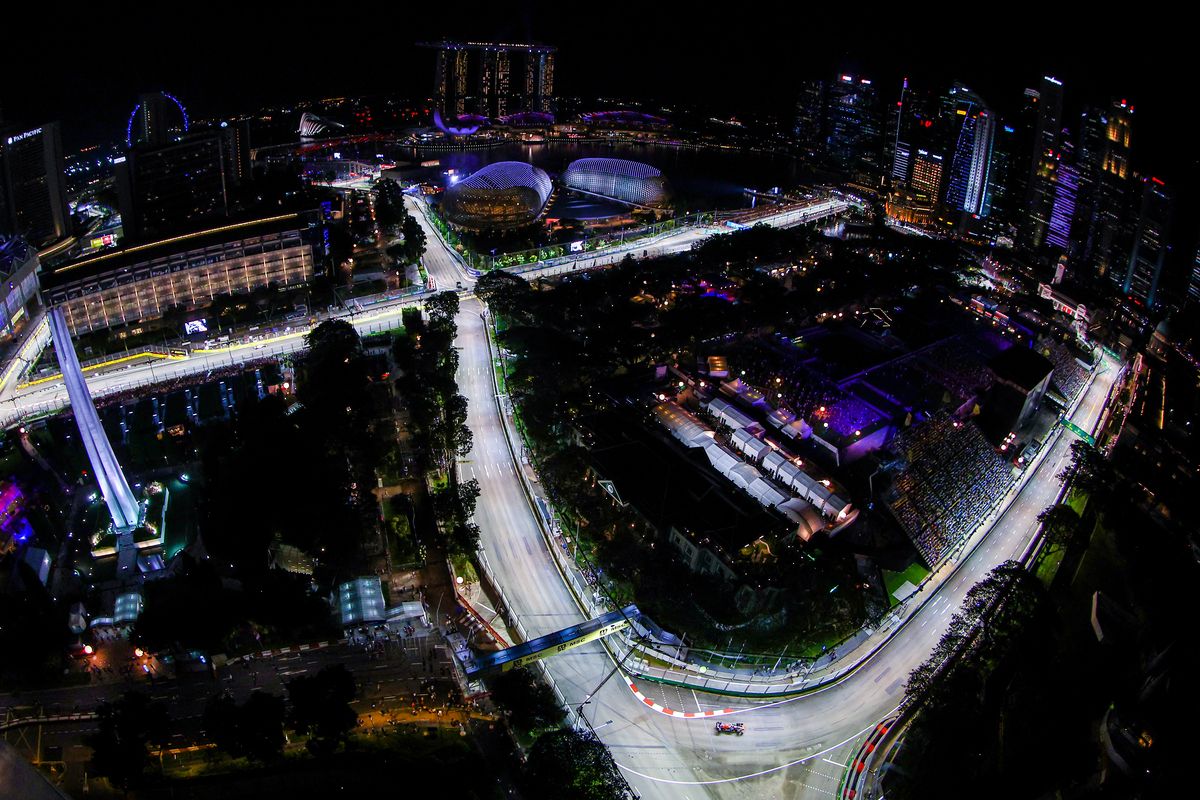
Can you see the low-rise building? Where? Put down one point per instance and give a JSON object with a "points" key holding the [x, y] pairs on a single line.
{"points": [[143, 282]]}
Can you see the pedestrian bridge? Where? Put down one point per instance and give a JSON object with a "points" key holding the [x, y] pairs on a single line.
{"points": [[553, 643]]}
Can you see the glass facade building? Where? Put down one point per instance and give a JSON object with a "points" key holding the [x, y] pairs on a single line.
{"points": [[33, 201], [969, 189], [1150, 246]]}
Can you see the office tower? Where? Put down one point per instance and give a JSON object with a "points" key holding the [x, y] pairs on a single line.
{"points": [[898, 145], [180, 186], [808, 129], [1103, 158], [1019, 148], [1039, 194], [1003, 150], [968, 190], [912, 126], [1049, 120], [853, 142], [1144, 272], [33, 200], [1063, 205], [1118, 138], [1088, 158], [927, 172]]}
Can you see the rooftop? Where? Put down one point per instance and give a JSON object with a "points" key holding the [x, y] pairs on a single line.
{"points": [[125, 257]]}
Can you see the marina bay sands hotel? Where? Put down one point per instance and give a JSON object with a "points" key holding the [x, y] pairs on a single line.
{"points": [[492, 79]]}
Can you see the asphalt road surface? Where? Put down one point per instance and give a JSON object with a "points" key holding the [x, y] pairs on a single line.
{"points": [[792, 748]]}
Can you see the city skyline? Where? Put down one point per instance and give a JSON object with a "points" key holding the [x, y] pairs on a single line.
{"points": [[560, 403], [737, 62]]}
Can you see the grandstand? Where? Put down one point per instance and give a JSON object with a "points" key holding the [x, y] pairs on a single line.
{"points": [[1069, 375], [951, 479]]}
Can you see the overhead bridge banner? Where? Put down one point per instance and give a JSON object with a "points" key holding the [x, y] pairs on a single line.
{"points": [[569, 644]]}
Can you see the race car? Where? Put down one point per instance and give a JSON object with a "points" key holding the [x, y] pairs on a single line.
{"points": [[731, 727]]}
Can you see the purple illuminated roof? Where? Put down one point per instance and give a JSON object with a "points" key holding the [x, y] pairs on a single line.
{"points": [[622, 117], [458, 126], [527, 118]]}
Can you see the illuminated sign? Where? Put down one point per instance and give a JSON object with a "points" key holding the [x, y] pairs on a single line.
{"points": [[195, 326], [20, 137], [570, 644], [576, 247]]}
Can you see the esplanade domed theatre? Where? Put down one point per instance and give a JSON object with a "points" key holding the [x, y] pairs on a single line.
{"points": [[507, 194], [619, 179]]}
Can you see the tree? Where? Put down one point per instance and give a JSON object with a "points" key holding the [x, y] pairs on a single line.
{"points": [[442, 307], [127, 728], [530, 702], [389, 204], [1089, 471], [253, 730], [414, 239], [260, 726], [569, 765], [321, 707], [221, 721], [1060, 525], [505, 294]]}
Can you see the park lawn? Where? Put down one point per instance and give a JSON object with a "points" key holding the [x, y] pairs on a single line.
{"points": [[914, 574], [1078, 501], [1048, 564]]}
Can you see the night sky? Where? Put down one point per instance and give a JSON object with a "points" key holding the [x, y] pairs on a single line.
{"points": [[84, 64]]}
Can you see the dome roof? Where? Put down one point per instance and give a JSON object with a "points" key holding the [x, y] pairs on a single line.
{"points": [[508, 175], [506, 194]]}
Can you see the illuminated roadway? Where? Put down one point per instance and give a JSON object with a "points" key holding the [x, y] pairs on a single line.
{"points": [[795, 748], [792, 748]]}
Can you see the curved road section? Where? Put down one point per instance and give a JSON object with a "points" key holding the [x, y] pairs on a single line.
{"points": [[794, 747], [787, 749]]}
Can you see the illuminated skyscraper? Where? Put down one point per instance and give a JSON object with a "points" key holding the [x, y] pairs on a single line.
{"points": [[1105, 137], [1039, 192], [927, 173], [1062, 213], [488, 67], [1144, 272], [1118, 138], [460, 81], [33, 201], [808, 128], [503, 74], [854, 142], [911, 127], [969, 189]]}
